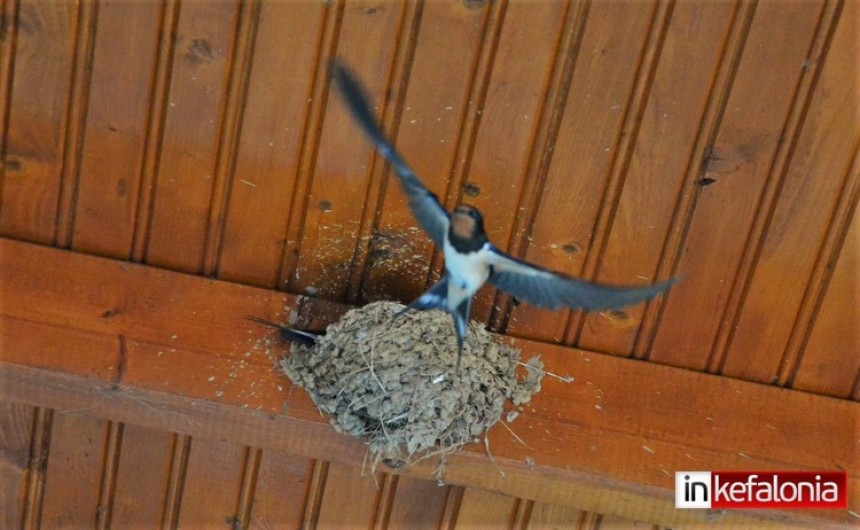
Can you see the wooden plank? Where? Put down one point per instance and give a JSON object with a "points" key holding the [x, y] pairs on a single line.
{"points": [[16, 427], [37, 119], [740, 165], [830, 364], [418, 504], [399, 252], [203, 49], [142, 476], [116, 127], [593, 444], [603, 77], [630, 243], [267, 161], [211, 486], [486, 509], [795, 241], [281, 491], [549, 516], [335, 201], [350, 497], [75, 461]]}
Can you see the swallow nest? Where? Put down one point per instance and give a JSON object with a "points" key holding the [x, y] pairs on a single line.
{"points": [[394, 382]]}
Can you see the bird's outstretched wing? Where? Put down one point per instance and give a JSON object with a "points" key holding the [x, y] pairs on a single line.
{"points": [[424, 205], [543, 288]]}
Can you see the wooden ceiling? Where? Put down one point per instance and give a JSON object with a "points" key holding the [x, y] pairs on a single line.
{"points": [[625, 142]]}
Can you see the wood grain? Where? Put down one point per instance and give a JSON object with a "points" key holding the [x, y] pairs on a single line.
{"points": [[116, 127], [574, 432], [350, 497], [71, 498], [281, 491], [186, 162], [210, 491], [142, 474], [830, 364], [16, 428], [417, 504], [548, 516], [35, 139], [267, 161], [803, 230], [486, 509], [740, 165]]}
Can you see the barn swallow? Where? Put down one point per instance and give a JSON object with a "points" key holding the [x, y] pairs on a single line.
{"points": [[470, 258]]}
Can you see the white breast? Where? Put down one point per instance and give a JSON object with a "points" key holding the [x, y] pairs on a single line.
{"points": [[467, 272]]}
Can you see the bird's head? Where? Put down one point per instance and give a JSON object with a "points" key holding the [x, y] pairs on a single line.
{"points": [[467, 222]]}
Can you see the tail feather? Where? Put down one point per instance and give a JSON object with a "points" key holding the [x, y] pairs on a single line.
{"points": [[435, 298], [289, 334]]}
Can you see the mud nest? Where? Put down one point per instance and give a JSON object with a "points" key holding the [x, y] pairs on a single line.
{"points": [[394, 382]]}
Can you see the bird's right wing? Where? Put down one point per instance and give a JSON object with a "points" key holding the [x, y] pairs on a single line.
{"points": [[543, 288], [423, 204]]}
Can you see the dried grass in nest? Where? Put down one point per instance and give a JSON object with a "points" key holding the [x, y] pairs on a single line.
{"points": [[393, 382]]}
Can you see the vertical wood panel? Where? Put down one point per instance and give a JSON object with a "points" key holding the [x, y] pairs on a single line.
{"points": [[73, 480], [8, 38], [336, 198], [16, 427], [37, 121], [792, 245], [142, 474], [417, 504], [602, 80], [267, 164], [830, 363], [509, 118], [548, 516], [116, 127], [202, 58], [740, 163], [349, 498], [486, 509], [281, 491], [657, 164], [210, 494], [427, 137]]}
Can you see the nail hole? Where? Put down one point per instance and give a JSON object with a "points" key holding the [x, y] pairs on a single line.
{"points": [[471, 189], [571, 248], [325, 205]]}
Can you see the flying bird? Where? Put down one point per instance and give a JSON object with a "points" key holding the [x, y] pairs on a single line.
{"points": [[470, 258]]}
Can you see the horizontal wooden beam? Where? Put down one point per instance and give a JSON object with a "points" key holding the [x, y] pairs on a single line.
{"points": [[172, 351]]}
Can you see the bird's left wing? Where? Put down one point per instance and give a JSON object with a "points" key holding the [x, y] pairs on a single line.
{"points": [[423, 204], [544, 288]]}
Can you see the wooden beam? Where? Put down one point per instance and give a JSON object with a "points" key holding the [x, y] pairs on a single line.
{"points": [[172, 351]]}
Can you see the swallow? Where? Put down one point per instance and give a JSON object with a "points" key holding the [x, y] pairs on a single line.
{"points": [[471, 259]]}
